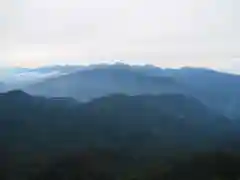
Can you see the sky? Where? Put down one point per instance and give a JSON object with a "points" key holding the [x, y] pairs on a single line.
{"points": [[167, 33]]}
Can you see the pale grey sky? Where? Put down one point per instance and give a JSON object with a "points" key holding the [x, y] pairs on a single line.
{"points": [[166, 33]]}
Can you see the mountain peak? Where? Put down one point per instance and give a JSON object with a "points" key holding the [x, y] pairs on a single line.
{"points": [[16, 94]]}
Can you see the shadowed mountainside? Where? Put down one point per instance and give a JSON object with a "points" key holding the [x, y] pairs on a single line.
{"points": [[139, 129]]}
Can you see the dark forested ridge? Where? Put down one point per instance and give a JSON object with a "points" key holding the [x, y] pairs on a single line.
{"points": [[113, 137]]}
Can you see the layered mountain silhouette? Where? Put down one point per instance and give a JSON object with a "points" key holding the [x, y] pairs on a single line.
{"points": [[128, 116], [217, 90], [89, 84]]}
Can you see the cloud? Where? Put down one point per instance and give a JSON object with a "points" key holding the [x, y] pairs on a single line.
{"points": [[33, 76], [28, 76], [171, 33]]}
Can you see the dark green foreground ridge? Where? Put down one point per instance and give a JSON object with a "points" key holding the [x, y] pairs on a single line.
{"points": [[169, 136]]}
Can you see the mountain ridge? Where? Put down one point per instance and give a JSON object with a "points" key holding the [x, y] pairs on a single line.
{"points": [[101, 82]]}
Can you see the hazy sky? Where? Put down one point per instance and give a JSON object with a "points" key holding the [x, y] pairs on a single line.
{"points": [[161, 32]]}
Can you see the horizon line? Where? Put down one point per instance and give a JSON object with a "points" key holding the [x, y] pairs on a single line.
{"points": [[119, 63]]}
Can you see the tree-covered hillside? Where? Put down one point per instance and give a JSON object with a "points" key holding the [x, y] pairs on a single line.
{"points": [[139, 129]]}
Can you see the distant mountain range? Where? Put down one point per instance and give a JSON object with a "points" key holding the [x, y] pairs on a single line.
{"points": [[217, 90], [89, 84], [121, 120], [2, 87], [16, 78]]}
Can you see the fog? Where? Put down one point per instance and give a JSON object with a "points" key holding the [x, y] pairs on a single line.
{"points": [[164, 33]]}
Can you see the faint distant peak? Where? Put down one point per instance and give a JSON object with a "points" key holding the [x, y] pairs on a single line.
{"points": [[16, 93]]}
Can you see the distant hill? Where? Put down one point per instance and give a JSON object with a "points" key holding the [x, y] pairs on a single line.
{"points": [[16, 78], [2, 87], [217, 90], [89, 84]]}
